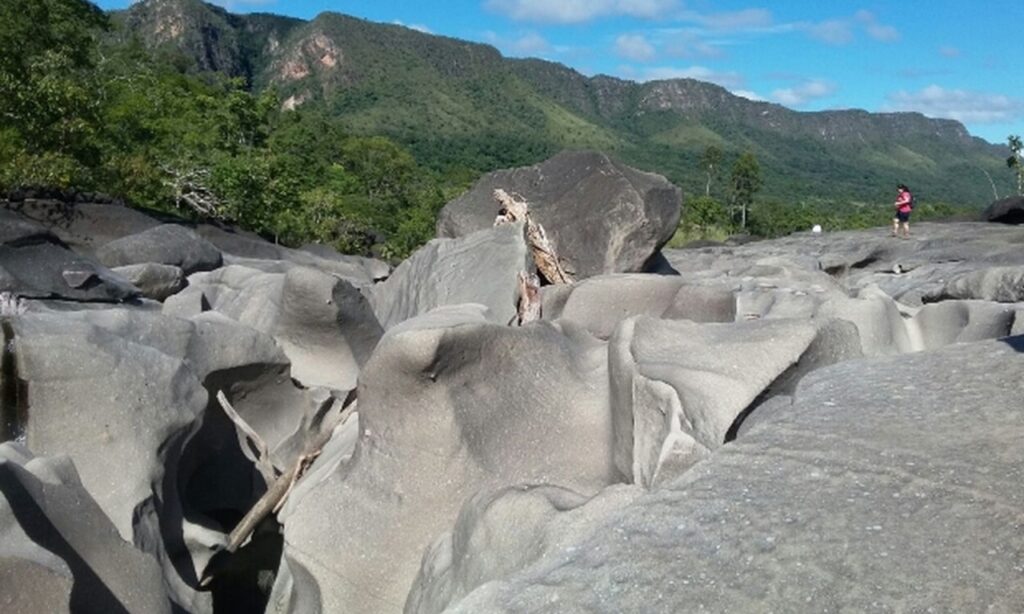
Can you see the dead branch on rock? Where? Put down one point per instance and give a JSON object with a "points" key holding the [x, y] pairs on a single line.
{"points": [[277, 493], [248, 436], [528, 307], [544, 256]]}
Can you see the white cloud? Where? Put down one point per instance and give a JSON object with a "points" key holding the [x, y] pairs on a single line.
{"points": [[962, 105], [876, 30], [728, 80], [413, 26], [949, 51], [843, 31], [833, 31], [530, 43], [747, 19], [749, 95], [634, 47], [682, 44], [578, 11], [803, 93]]}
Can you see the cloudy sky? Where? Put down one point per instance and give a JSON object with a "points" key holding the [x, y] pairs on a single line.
{"points": [[960, 59]]}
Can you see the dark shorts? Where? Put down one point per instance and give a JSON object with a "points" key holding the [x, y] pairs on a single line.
{"points": [[902, 216]]}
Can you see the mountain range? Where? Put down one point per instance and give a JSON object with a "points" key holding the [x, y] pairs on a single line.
{"points": [[459, 104]]}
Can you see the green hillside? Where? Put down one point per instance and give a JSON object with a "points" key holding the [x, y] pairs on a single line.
{"points": [[355, 133]]}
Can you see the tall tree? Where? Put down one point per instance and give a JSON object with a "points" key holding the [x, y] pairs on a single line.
{"points": [[1014, 161], [746, 181], [46, 83], [711, 162]]}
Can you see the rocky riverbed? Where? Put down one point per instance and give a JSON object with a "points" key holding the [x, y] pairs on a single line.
{"points": [[821, 422]]}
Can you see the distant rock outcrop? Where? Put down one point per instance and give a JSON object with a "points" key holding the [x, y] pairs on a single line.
{"points": [[601, 215], [1007, 211]]}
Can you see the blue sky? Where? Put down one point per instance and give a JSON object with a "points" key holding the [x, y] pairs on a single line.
{"points": [[959, 59]]}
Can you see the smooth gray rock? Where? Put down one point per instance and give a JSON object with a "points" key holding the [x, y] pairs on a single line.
{"points": [[250, 250], [600, 303], [51, 271], [884, 487], [601, 215], [1007, 211], [59, 552], [449, 405], [499, 533], [479, 268], [83, 226], [1000, 284], [888, 327], [324, 324], [154, 281], [16, 229], [134, 390], [677, 386], [166, 244]]}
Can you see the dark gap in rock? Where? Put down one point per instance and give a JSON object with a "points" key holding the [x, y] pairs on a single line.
{"points": [[241, 582], [13, 397]]}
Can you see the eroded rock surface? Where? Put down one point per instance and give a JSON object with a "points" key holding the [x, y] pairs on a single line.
{"points": [[877, 488], [601, 215]]}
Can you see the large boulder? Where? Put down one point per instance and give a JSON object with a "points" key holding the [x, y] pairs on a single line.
{"points": [[488, 541], [601, 215], [324, 324], [154, 281], [479, 268], [249, 249], [48, 270], [449, 405], [1000, 284], [135, 390], [674, 400], [165, 244], [83, 226], [888, 485], [59, 552], [1007, 211]]}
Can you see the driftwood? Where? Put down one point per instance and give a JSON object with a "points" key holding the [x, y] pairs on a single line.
{"points": [[528, 307], [544, 256], [281, 486], [248, 436]]}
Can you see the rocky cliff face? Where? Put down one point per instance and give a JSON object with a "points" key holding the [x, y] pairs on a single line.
{"points": [[417, 88]]}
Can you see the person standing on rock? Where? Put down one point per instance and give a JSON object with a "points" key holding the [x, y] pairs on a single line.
{"points": [[904, 205]]}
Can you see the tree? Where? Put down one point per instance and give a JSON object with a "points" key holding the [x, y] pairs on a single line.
{"points": [[1014, 161], [746, 181], [705, 212], [48, 102], [710, 161]]}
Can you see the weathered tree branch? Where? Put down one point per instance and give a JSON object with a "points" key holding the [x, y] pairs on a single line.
{"points": [[278, 492], [528, 307], [544, 256], [246, 436], [191, 188]]}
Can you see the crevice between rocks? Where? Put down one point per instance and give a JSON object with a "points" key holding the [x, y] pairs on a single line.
{"points": [[13, 393]]}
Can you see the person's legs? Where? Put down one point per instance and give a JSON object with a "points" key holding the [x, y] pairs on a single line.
{"points": [[906, 229], [895, 226]]}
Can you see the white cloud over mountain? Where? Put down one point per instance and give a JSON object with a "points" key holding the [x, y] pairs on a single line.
{"points": [[962, 105]]}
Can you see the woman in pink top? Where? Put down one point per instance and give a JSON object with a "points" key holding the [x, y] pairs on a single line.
{"points": [[904, 205]]}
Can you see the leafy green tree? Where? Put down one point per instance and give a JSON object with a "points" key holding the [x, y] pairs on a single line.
{"points": [[705, 212], [48, 102], [1014, 161], [746, 181], [711, 162]]}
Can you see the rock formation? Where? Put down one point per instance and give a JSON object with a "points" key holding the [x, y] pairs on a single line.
{"points": [[822, 421]]}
